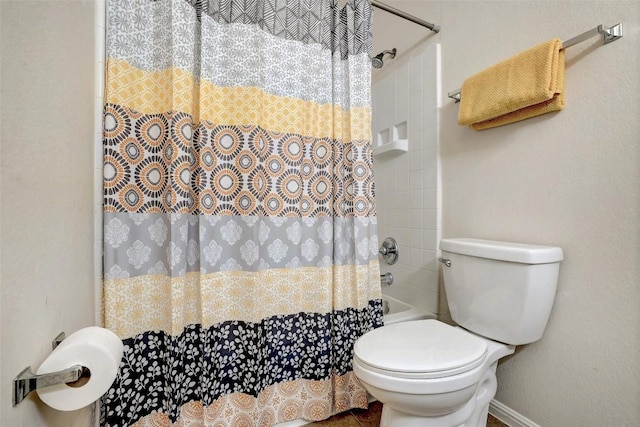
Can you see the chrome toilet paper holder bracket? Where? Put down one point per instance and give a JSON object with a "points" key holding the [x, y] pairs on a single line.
{"points": [[58, 340], [27, 381]]}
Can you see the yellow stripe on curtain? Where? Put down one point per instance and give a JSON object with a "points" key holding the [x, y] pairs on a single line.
{"points": [[162, 303], [175, 89]]}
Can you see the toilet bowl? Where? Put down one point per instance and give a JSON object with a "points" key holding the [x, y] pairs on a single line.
{"points": [[426, 372], [430, 374]]}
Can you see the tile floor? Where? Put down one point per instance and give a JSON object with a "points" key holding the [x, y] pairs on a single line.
{"points": [[371, 418]]}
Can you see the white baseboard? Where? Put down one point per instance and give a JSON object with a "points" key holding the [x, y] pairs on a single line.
{"points": [[498, 409], [508, 416]]}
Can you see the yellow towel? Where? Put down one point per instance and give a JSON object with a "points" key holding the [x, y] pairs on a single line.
{"points": [[523, 86]]}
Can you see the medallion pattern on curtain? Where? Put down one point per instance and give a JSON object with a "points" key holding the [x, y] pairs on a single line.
{"points": [[240, 247]]}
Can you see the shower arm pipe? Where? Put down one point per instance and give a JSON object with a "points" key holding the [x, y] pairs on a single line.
{"points": [[433, 27], [608, 35]]}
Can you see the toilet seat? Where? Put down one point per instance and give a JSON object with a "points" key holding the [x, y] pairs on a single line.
{"points": [[420, 349]]}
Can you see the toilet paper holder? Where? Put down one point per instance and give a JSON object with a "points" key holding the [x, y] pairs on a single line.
{"points": [[27, 381]]}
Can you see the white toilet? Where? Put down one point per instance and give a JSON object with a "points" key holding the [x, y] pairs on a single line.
{"points": [[427, 373]]}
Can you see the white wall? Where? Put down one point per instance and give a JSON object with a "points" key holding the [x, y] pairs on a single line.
{"points": [[570, 179], [47, 223], [405, 96]]}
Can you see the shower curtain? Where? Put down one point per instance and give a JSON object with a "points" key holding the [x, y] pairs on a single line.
{"points": [[240, 247]]}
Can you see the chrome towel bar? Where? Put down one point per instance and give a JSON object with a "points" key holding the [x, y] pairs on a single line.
{"points": [[608, 35]]}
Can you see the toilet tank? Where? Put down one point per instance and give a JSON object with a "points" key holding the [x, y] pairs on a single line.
{"points": [[502, 291]]}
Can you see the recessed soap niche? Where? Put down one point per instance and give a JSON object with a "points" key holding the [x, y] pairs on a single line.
{"points": [[392, 140]]}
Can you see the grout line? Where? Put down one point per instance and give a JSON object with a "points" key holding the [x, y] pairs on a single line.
{"points": [[356, 418]]}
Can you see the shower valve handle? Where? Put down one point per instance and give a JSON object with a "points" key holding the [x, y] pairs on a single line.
{"points": [[389, 250]]}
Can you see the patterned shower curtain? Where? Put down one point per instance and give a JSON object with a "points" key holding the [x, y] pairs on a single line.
{"points": [[240, 248]]}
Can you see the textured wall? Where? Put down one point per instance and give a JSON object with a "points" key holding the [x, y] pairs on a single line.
{"points": [[47, 278], [570, 179]]}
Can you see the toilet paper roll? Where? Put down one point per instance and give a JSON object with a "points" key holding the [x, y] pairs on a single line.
{"points": [[95, 348]]}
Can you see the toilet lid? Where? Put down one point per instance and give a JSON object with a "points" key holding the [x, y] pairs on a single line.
{"points": [[422, 348]]}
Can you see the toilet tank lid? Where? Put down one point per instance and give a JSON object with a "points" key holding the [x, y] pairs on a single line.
{"points": [[503, 251]]}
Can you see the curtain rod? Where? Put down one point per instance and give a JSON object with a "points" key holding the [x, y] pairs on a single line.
{"points": [[608, 35], [433, 27]]}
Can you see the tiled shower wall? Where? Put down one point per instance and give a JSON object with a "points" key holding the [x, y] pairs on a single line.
{"points": [[407, 96]]}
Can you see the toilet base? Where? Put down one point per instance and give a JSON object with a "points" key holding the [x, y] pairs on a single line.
{"points": [[392, 418], [472, 414]]}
